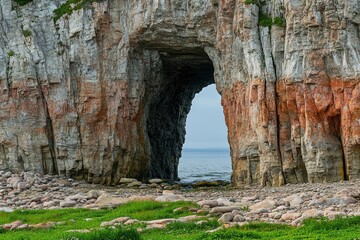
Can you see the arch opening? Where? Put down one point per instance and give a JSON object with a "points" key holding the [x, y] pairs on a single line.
{"points": [[206, 154], [184, 75]]}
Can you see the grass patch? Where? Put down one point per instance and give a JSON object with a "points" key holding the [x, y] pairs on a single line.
{"points": [[108, 234], [180, 230], [340, 228], [76, 218]]}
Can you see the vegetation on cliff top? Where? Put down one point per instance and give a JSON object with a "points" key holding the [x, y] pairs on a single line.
{"points": [[70, 6], [22, 2], [264, 19]]}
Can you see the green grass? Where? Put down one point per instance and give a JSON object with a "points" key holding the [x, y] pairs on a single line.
{"points": [[108, 234], [75, 218], [340, 228]]}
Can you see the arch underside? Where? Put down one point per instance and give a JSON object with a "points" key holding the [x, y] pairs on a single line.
{"points": [[184, 75]]}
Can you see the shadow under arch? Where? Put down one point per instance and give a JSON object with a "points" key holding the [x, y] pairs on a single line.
{"points": [[185, 74]]}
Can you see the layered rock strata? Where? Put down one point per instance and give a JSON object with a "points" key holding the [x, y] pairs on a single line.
{"points": [[103, 93]]}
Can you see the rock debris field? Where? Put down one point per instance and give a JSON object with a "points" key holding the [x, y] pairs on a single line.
{"points": [[289, 204]]}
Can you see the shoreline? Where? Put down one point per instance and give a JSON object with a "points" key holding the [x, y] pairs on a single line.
{"points": [[289, 204]]}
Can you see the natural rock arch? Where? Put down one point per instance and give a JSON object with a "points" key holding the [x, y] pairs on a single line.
{"points": [[79, 95]]}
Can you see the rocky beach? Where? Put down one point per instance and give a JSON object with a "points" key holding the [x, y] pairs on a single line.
{"points": [[289, 204]]}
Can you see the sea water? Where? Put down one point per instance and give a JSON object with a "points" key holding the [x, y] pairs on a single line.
{"points": [[204, 165]]}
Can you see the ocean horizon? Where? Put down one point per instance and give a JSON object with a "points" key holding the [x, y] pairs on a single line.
{"points": [[204, 164]]}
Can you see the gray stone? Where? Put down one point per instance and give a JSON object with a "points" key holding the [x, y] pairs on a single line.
{"points": [[94, 194], [224, 209], [169, 198], [67, 203], [211, 203], [239, 218], [226, 218], [265, 204], [7, 175], [127, 180], [156, 180]]}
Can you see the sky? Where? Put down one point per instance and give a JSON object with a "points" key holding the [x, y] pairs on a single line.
{"points": [[205, 124]]}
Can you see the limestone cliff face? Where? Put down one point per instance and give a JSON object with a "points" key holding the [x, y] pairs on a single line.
{"points": [[104, 92]]}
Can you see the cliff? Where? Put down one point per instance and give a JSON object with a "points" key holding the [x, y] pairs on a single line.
{"points": [[102, 91]]}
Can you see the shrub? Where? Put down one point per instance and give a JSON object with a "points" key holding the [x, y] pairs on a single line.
{"points": [[250, 2], [22, 2], [11, 53], [265, 20], [26, 33], [278, 21]]}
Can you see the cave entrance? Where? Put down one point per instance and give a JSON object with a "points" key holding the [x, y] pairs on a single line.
{"points": [[185, 73]]}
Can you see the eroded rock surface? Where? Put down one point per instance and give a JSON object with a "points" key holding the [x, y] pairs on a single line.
{"points": [[103, 93]]}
